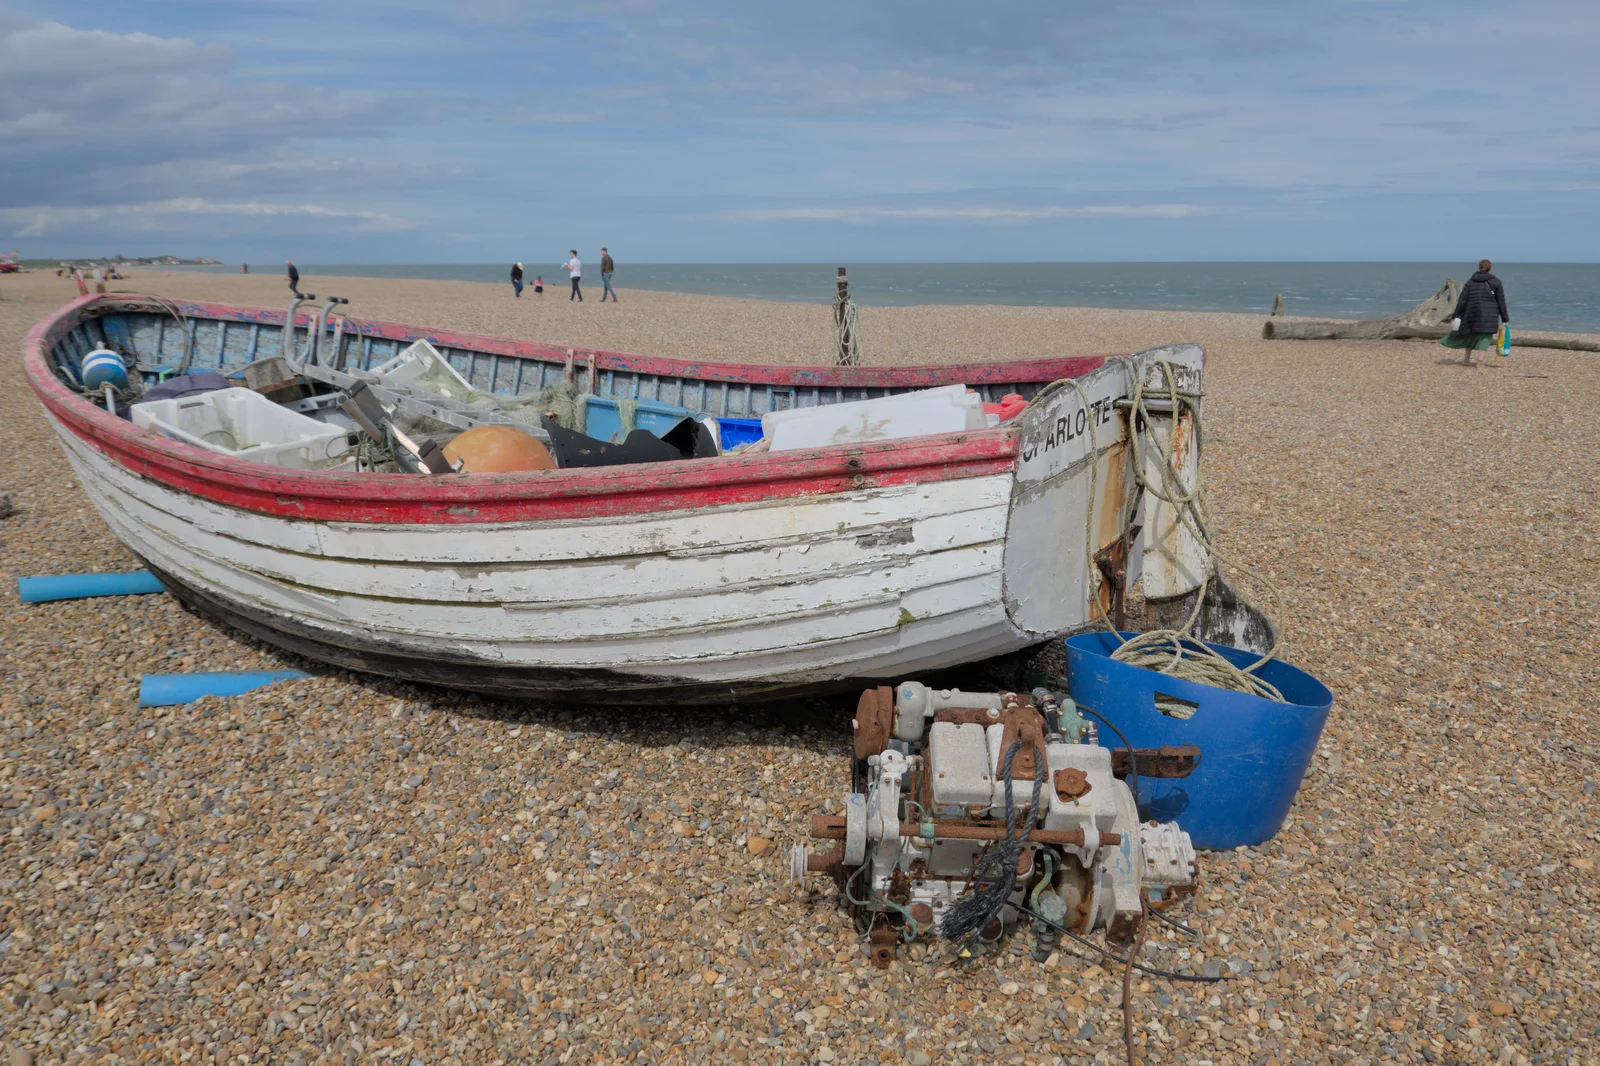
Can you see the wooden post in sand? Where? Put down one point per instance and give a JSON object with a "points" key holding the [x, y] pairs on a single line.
{"points": [[844, 324]]}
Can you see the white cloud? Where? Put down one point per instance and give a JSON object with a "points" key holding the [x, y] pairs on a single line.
{"points": [[671, 125], [133, 131], [39, 221], [976, 213]]}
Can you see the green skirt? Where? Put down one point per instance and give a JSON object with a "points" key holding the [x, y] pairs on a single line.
{"points": [[1475, 342]]}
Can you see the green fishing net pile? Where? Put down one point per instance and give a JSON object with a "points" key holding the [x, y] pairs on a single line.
{"points": [[562, 400]]}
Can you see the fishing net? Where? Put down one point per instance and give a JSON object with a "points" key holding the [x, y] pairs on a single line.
{"points": [[562, 401]]}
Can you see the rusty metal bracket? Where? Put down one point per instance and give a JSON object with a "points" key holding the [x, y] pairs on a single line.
{"points": [[874, 721], [1169, 760], [884, 945], [1112, 562]]}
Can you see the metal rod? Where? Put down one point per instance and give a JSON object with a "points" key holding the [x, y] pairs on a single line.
{"points": [[826, 827]]}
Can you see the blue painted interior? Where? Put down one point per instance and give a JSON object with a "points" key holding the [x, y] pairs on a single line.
{"points": [[157, 341]]}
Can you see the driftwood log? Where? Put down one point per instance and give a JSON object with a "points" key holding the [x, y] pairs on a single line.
{"points": [[1432, 313], [1429, 320]]}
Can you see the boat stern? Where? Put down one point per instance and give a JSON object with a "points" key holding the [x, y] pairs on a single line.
{"points": [[1104, 496]]}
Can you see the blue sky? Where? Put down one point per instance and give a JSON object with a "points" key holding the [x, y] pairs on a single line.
{"points": [[489, 130]]}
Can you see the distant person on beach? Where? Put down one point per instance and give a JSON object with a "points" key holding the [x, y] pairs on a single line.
{"points": [[1478, 314], [294, 278], [538, 284], [516, 279], [244, 268], [607, 268], [575, 272]]}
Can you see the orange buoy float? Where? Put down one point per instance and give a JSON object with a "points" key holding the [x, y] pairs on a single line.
{"points": [[498, 450]]}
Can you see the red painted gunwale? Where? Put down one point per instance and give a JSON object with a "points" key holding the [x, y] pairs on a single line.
{"points": [[545, 495]]}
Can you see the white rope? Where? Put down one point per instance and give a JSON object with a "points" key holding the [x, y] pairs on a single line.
{"points": [[1174, 651], [846, 331]]}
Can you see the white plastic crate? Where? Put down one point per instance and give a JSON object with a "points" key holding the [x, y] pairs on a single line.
{"points": [[422, 367], [948, 409], [244, 424]]}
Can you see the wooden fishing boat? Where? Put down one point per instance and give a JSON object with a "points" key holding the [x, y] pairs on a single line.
{"points": [[721, 578]]}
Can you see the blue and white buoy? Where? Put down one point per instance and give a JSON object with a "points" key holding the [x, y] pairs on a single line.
{"points": [[103, 367]]}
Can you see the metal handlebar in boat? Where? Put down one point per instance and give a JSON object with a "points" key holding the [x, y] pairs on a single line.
{"points": [[314, 347], [288, 347], [419, 402]]}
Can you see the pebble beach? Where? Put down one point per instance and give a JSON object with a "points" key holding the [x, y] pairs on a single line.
{"points": [[346, 869]]}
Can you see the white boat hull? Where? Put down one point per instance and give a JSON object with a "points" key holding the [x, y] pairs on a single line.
{"points": [[874, 583]]}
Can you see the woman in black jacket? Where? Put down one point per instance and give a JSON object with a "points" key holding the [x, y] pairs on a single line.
{"points": [[1478, 314]]}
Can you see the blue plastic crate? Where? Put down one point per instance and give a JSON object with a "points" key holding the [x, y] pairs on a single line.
{"points": [[737, 431], [603, 419]]}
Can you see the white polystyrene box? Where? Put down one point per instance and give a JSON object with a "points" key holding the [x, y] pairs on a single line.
{"points": [[948, 409], [245, 424]]}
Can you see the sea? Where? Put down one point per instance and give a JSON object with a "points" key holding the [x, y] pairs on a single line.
{"points": [[1550, 296]]}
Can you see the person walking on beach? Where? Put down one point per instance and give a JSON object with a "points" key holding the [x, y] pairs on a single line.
{"points": [[516, 279], [607, 268], [1479, 312], [294, 278], [575, 272]]}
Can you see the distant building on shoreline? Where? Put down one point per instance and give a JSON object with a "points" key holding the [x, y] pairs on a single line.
{"points": [[146, 260]]}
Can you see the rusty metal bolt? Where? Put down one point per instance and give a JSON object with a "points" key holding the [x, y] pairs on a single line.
{"points": [[922, 914]]}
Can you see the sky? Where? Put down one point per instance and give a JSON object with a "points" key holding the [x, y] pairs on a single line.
{"points": [[403, 131]]}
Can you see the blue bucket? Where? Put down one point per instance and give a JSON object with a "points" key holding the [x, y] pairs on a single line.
{"points": [[1253, 751]]}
